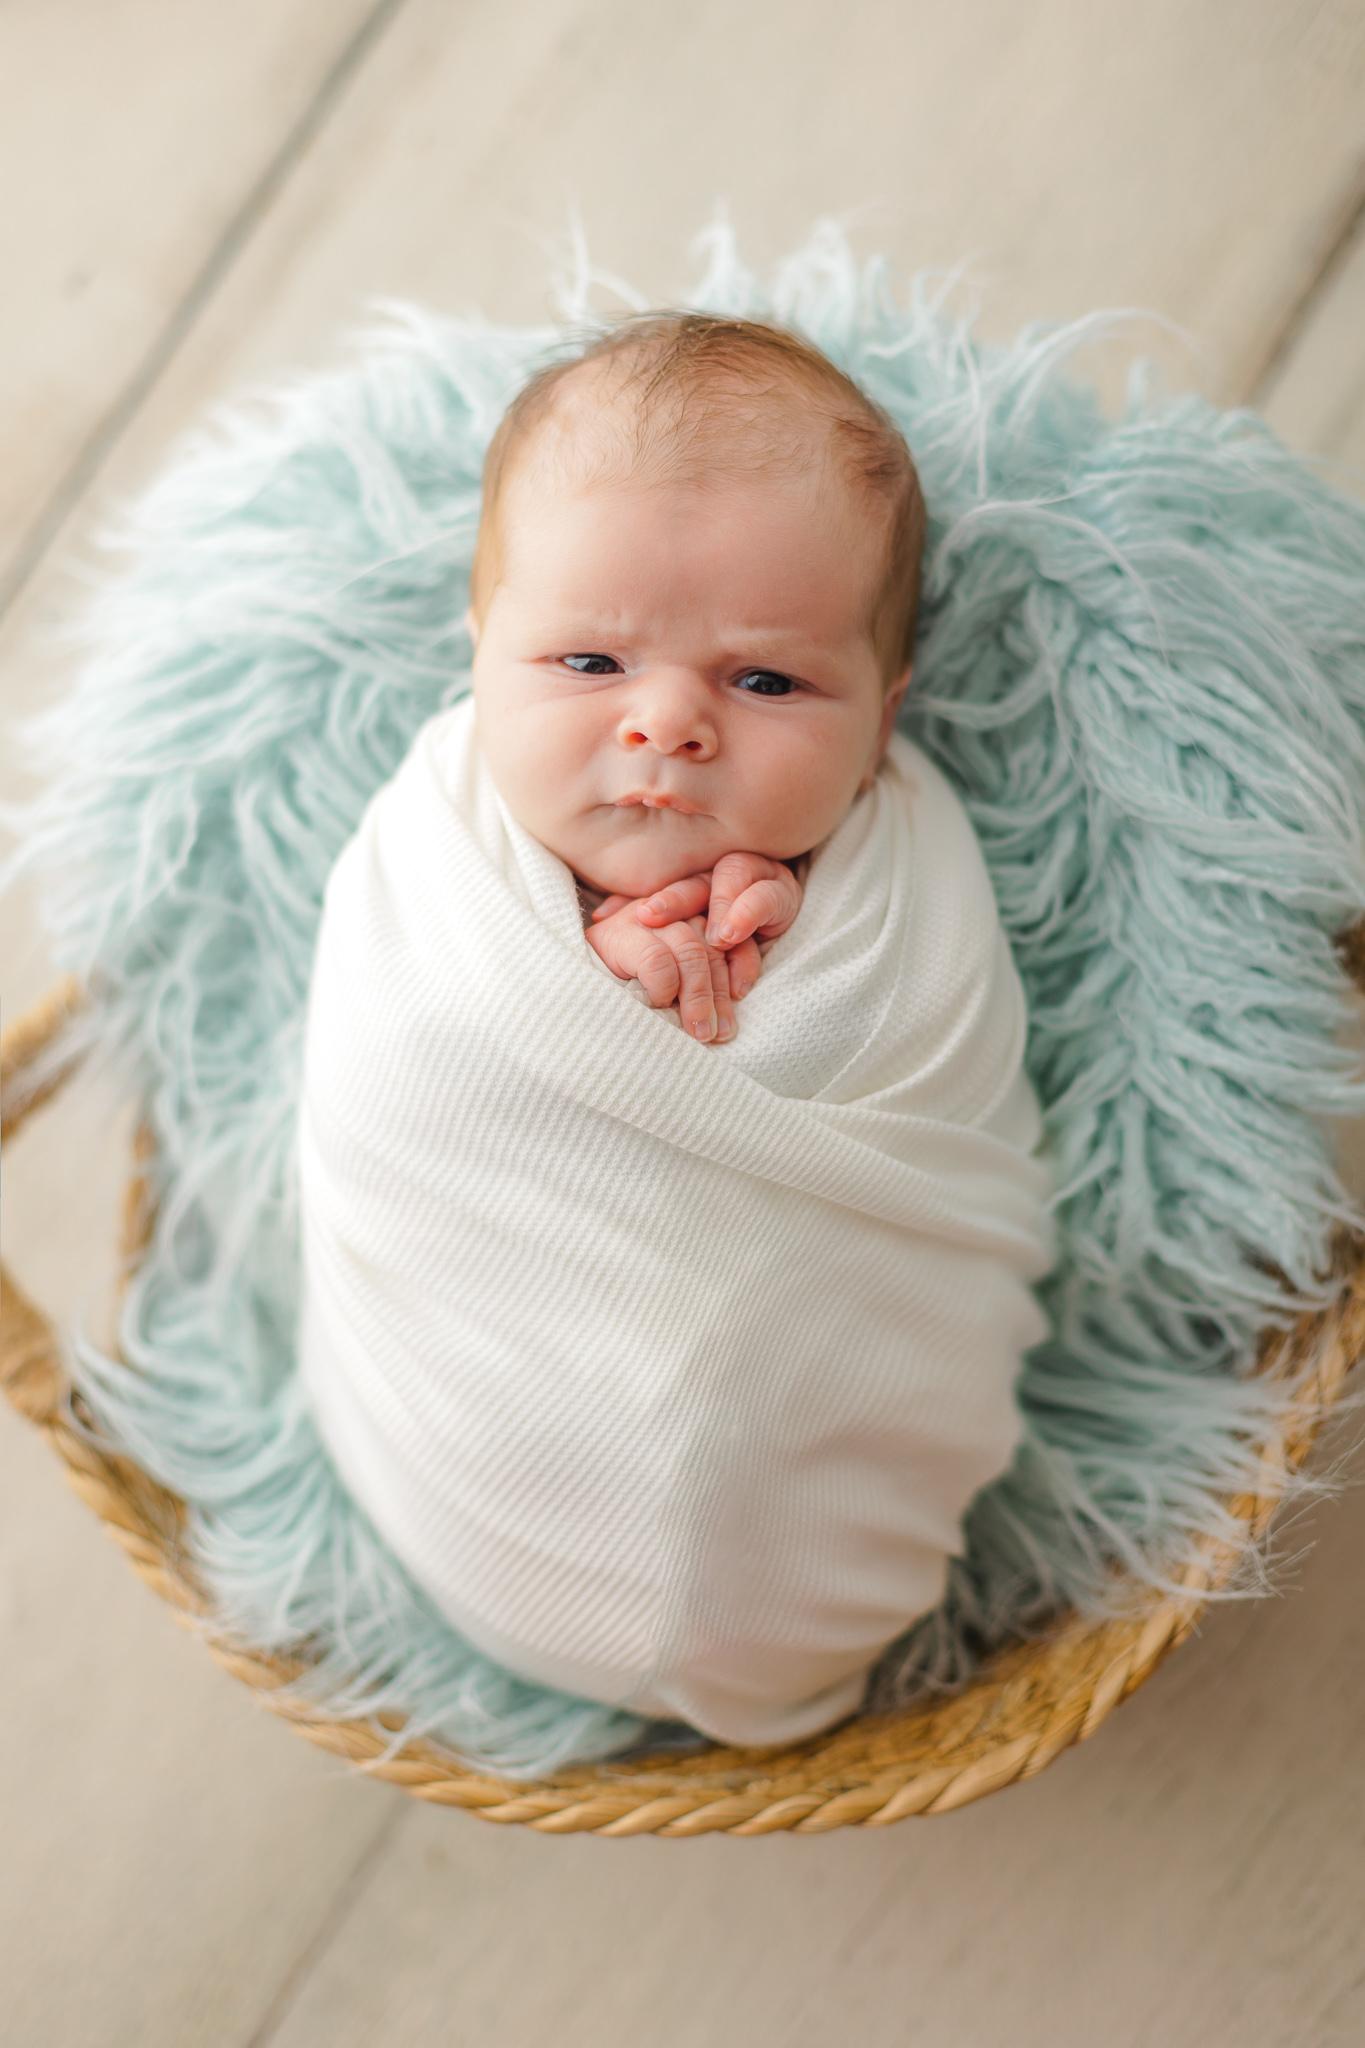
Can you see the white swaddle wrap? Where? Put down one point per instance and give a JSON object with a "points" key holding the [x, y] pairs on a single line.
{"points": [[667, 1369]]}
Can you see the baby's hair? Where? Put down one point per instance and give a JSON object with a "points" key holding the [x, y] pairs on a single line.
{"points": [[695, 394]]}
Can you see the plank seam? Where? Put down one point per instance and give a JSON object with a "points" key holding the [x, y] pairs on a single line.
{"points": [[109, 430], [296, 1977], [1303, 310]]}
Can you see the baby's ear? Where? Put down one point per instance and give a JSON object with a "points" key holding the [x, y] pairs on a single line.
{"points": [[895, 697], [471, 625], [891, 704]]}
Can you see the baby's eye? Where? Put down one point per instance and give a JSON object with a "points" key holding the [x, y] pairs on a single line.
{"points": [[592, 664], [765, 682]]}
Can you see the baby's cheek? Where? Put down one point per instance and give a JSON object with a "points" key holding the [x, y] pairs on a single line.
{"points": [[789, 804], [534, 780]]}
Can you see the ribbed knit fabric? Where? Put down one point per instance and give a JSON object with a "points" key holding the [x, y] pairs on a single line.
{"points": [[667, 1369]]}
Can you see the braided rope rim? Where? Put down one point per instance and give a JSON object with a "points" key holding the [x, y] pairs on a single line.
{"points": [[1025, 1705]]}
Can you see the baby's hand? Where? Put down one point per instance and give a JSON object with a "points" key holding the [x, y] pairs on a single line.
{"points": [[674, 964], [746, 897], [747, 894]]}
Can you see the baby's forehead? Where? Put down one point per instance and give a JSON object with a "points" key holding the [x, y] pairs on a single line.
{"points": [[608, 420], [760, 462]]}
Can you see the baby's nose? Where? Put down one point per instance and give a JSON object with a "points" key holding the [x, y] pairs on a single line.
{"points": [[671, 715]]}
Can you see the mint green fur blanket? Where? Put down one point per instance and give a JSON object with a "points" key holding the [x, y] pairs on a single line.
{"points": [[1141, 661]]}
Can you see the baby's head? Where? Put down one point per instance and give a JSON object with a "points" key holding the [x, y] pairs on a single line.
{"points": [[693, 598]]}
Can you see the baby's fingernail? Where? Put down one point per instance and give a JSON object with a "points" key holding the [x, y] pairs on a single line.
{"points": [[725, 1029], [724, 935], [742, 991], [703, 1027]]}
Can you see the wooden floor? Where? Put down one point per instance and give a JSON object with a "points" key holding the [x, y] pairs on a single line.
{"points": [[196, 193]]}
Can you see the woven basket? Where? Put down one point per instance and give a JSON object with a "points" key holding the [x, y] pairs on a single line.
{"points": [[1025, 1705]]}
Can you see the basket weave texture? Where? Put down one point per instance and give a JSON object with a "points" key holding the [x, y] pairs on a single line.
{"points": [[1023, 1707]]}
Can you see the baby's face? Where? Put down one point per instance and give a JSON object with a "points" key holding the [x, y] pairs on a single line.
{"points": [[668, 672]]}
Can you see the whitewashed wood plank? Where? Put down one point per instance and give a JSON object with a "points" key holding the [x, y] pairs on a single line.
{"points": [[1192, 1877], [1190, 158], [168, 1852], [131, 131]]}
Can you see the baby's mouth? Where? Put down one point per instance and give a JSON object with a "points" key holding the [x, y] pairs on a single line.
{"points": [[660, 800]]}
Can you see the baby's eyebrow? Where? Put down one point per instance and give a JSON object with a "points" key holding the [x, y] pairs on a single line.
{"points": [[746, 638], [766, 646], [776, 648], [580, 630]]}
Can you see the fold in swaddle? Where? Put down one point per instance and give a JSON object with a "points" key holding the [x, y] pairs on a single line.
{"points": [[667, 1369]]}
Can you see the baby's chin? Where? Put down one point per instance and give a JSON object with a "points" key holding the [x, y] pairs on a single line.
{"points": [[640, 863], [625, 878]]}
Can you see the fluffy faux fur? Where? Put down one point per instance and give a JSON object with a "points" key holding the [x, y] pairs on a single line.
{"points": [[1142, 661]]}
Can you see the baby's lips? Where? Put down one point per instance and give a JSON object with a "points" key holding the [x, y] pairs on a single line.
{"points": [[660, 800]]}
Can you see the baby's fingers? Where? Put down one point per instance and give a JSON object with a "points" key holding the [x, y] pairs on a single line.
{"points": [[767, 907], [610, 907], [705, 1009], [656, 969], [744, 964], [720, 995], [676, 903]]}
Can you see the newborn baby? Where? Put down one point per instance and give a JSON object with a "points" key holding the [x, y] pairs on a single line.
{"points": [[669, 1359]]}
